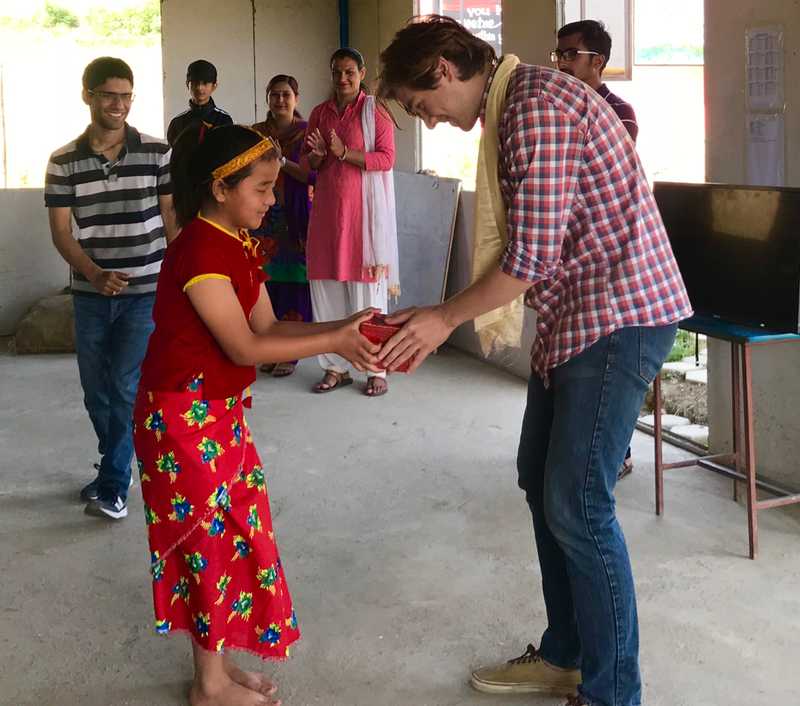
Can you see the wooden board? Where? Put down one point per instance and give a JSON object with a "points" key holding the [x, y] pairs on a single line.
{"points": [[426, 215]]}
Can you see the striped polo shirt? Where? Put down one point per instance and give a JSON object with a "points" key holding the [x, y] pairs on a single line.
{"points": [[115, 206]]}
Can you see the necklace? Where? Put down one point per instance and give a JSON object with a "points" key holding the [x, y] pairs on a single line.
{"points": [[103, 151], [492, 72], [110, 147]]}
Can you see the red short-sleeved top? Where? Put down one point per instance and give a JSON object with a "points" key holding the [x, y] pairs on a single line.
{"points": [[181, 346]]}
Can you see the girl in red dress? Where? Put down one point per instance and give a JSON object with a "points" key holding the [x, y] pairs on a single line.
{"points": [[215, 566]]}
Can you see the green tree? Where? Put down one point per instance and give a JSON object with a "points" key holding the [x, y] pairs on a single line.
{"points": [[55, 16], [129, 22]]}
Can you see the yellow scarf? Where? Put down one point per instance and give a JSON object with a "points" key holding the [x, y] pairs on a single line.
{"points": [[503, 326]]}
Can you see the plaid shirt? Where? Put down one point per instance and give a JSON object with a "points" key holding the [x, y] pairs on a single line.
{"points": [[583, 227]]}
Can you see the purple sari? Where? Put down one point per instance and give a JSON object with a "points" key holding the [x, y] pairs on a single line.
{"points": [[284, 230]]}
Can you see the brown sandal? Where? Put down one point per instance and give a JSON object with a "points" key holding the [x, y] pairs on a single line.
{"points": [[332, 381], [371, 391], [282, 370]]}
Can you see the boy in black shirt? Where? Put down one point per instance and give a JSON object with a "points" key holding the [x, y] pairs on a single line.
{"points": [[201, 80]]}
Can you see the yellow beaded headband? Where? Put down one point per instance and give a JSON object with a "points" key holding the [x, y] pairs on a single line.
{"points": [[242, 160]]}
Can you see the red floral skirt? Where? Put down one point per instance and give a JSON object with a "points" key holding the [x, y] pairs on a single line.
{"points": [[215, 566]]}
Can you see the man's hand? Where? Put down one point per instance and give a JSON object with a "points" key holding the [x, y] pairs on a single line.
{"points": [[109, 282], [352, 345], [424, 330]]}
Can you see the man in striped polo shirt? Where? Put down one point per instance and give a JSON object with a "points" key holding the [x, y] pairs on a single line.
{"points": [[113, 183], [583, 51]]}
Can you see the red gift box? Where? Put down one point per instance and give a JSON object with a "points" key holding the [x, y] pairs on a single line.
{"points": [[376, 330]]}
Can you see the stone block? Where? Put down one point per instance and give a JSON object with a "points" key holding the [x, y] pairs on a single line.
{"points": [[700, 376], [691, 359], [668, 421], [696, 433], [678, 366], [48, 327]]}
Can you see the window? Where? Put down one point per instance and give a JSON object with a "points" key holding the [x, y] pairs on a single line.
{"points": [[447, 150], [45, 48], [484, 19], [658, 68], [669, 33]]}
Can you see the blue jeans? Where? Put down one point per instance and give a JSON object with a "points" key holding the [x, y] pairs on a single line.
{"points": [[111, 335], [574, 437]]}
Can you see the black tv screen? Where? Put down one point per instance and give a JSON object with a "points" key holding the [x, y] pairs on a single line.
{"points": [[738, 249]]}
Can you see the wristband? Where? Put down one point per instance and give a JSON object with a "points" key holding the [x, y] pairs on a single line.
{"points": [[344, 154]]}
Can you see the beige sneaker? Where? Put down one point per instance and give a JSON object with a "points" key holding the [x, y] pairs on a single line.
{"points": [[526, 674]]}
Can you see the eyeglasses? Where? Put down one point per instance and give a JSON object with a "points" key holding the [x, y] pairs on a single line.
{"points": [[569, 55], [111, 97]]}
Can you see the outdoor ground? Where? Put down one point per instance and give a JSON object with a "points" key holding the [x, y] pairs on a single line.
{"points": [[407, 546]]}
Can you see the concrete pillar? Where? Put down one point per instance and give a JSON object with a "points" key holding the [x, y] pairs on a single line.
{"points": [[373, 23], [529, 29]]}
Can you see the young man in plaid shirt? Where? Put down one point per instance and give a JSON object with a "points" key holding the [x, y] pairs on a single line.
{"points": [[586, 245]]}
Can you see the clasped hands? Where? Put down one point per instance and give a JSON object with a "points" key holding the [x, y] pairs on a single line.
{"points": [[319, 147]]}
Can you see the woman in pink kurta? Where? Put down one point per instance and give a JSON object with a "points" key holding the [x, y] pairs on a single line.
{"points": [[340, 283]]}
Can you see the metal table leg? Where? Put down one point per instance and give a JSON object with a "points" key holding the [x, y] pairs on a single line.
{"points": [[659, 461], [750, 452]]}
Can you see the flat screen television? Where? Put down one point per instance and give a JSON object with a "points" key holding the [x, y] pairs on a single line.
{"points": [[738, 249]]}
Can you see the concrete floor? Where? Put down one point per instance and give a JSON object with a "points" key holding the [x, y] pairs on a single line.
{"points": [[407, 547]]}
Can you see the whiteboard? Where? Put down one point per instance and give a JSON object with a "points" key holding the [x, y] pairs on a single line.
{"points": [[426, 214]]}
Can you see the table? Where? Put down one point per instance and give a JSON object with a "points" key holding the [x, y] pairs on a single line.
{"points": [[741, 463]]}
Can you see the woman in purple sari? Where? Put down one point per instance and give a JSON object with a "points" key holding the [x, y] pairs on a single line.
{"points": [[284, 228]]}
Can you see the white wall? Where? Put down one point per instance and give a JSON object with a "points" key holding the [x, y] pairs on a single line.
{"points": [[296, 38], [373, 23], [776, 370], [30, 266]]}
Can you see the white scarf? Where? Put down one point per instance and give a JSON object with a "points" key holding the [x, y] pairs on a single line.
{"points": [[379, 222]]}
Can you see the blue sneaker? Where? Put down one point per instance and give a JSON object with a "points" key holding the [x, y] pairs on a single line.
{"points": [[113, 509], [90, 491]]}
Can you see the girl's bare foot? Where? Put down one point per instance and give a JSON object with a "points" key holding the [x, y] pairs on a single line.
{"points": [[251, 680], [213, 686], [228, 694]]}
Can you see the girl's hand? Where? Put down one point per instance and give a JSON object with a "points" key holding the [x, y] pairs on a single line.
{"points": [[350, 344], [337, 146], [316, 143]]}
